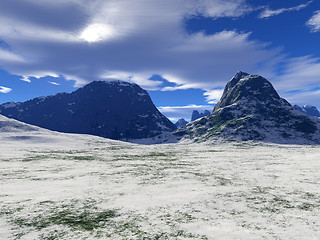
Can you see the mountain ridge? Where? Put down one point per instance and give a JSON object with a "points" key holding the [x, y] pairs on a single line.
{"points": [[308, 109], [251, 109], [115, 109]]}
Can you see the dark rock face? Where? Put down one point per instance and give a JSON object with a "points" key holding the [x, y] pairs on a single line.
{"points": [[181, 122], [251, 109], [196, 115], [309, 110], [116, 110]]}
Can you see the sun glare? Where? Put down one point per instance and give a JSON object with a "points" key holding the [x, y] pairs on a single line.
{"points": [[96, 32]]}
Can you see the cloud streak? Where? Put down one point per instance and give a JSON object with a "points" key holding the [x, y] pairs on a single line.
{"points": [[54, 83], [299, 81], [300, 74], [267, 13], [305, 98]]}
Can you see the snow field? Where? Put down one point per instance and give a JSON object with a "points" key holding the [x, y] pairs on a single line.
{"points": [[64, 186]]}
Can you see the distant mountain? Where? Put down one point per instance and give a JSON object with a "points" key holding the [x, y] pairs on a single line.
{"points": [[309, 110], [116, 110], [181, 122], [196, 115], [251, 109]]}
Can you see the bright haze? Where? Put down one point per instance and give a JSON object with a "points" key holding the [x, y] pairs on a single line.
{"points": [[182, 51]]}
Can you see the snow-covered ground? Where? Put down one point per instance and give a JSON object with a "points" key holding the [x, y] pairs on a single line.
{"points": [[64, 186]]}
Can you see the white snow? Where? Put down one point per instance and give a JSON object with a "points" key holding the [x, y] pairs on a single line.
{"points": [[167, 191], [142, 94]]}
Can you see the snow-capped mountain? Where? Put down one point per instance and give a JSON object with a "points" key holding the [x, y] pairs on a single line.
{"points": [[251, 109], [309, 110], [181, 122], [116, 110], [196, 115]]}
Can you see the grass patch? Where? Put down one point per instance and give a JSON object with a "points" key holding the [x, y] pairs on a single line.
{"points": [[84, 158], [85, 221], [307, 206]]}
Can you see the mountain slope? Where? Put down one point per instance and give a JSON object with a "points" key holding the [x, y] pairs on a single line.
{"points": [[116, 110], [251, 109]]}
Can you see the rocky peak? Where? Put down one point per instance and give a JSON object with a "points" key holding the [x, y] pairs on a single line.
{"points": [[251, 109], [116, 109], [196, 114], [247, 88], [181, 122]]}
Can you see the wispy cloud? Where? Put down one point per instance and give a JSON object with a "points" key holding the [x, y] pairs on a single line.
{"points": [[10, 57], [300, 81], [5, 89], [301, 73], [54, 83], [270, 13], [305, 98], [314, 22], [213, 96], [117, 39]]}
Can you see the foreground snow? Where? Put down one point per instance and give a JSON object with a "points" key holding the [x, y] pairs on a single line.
{"points": [[63, 186]]}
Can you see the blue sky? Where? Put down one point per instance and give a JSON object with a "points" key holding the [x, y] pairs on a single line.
{"points": [[182, 51]]}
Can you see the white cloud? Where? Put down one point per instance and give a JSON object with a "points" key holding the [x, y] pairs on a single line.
{"points": [[54, 83], [25, 79], [176, 112], [130, 39], [5, 89], [213, 96], [37, 74], [270, 13], [314, 22]]}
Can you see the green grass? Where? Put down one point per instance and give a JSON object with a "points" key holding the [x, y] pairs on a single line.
{"points": [[85, 221]]}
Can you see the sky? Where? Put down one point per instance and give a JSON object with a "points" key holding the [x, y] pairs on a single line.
{"points": [[182, 51]]}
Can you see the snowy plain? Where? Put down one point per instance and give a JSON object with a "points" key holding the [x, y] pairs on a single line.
{"points": [[68, 186]]}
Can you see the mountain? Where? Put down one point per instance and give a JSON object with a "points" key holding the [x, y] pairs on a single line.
{"points": [[196, 115], [309, 110], [251, 109], [116, 110], [181, 122]]}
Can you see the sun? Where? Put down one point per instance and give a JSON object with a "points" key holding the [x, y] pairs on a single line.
{"points": [[97, 32]]}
